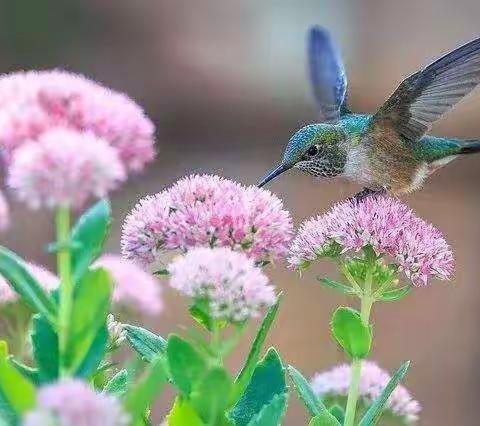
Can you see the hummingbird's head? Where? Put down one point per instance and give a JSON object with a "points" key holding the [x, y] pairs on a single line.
{"points": [[317, 149]]}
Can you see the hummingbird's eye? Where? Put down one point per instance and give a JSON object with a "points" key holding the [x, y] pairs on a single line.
{"points": [[313, 150]]}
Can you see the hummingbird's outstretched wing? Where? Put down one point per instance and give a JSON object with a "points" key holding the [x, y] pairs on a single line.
{"points": [[425, 96], [327, 74]]}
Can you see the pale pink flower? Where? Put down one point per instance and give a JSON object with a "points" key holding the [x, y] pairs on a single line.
{"points": [[132, 286], [229, 281], [207, 211], [386, 224], [4, 213], [73, 402], [34, 102], [44, 277], [336, 382], [64, 167]]}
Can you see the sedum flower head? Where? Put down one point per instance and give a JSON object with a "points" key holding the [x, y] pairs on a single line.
{"points": [[132, 286], [336, 382], [64, 167], [207, 211], [44, 277], [4, 213], [386, 224], [233, 287], [35, 102], [74, 402]]}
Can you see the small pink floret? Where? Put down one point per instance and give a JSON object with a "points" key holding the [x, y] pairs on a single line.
{"points": [[207, 211], [64, 168], [386, 224], [336, 382], [235, 288], [132, 286]]}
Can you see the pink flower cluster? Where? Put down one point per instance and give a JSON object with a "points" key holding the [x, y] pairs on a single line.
{"points": [[132, 286], [73, 402], [4, 213], [34, 102], [66, 138], [207, 211], [336, 382], [386, 224], [64, 167], [231, 283], [44, 277]]}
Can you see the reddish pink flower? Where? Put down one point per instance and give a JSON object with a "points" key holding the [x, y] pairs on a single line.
{"points": [[4, 213], [231, 283], [64, 167], [34, 102], [132, 286], [336, 382], [207, 211], [386, 224]]}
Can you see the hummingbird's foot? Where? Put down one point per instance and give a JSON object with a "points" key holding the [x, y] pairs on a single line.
{"points": [[367, 192]]}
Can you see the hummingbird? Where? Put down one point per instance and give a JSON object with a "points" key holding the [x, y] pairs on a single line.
{"points": [[390, 150]]}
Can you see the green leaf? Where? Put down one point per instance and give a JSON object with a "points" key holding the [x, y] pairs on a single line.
{"points": [[338, 412], [15, 271], [88, 235], [45, 348], [350, 333], [268, 380], [8, 416], [187, 366], [324, 419], [183, 414], [253, 356], [147, 344], [90, 308], [395, 294], [118, 384], [143, 394], [374, 412], [210, 396], [272, 413], [314, 405], [94, 355], [335, 285], [18, 392], [29, 373], [199, 312]]}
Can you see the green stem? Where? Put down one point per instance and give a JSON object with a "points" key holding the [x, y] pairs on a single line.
{"points": [[353, 392], [66, 283], [356, 369], [216, 343]]}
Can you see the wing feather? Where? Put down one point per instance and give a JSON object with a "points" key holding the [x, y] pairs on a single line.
{"points": [[327, 74], [425, 96]]}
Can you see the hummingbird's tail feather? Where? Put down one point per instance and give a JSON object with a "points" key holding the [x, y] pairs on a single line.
{"points": [[469, 146]]}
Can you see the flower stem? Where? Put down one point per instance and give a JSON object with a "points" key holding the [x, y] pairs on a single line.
{"points": [[356, 368], [66, 283], [216, 343]]}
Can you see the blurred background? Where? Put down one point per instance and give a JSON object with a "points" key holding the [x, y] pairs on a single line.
{"points": [[225, 84]]}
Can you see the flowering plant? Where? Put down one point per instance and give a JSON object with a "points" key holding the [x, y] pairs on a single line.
{"points": [[372, 241], [66, 140]]}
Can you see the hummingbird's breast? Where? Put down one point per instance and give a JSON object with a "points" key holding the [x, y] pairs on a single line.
{"points": [[388, 162]]}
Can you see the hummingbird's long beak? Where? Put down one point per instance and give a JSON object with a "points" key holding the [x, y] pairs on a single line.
{"points": [[272, 174]]}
